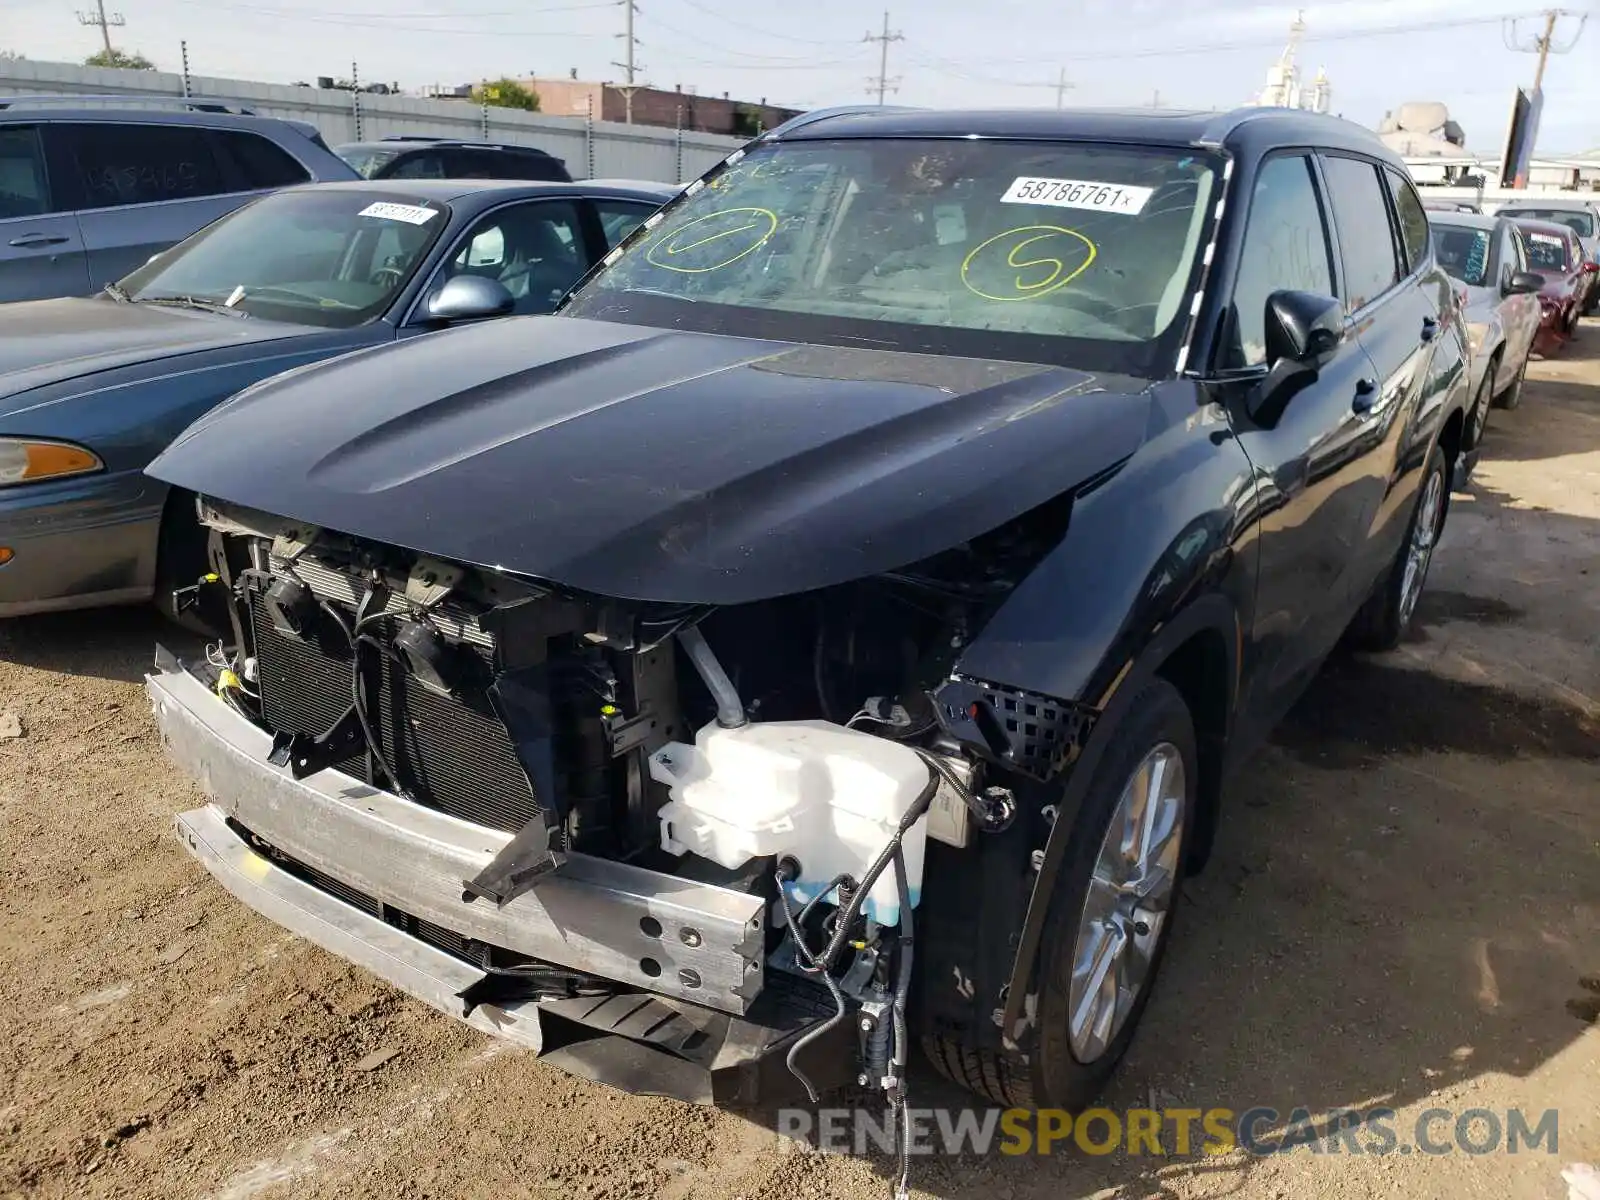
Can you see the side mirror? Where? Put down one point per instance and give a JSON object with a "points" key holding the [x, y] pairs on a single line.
{"points": [[1302, 330], [1302, 327], [1524, 283], [470, 298]]}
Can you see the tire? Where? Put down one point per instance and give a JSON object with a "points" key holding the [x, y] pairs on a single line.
{"points": [[1477, 422], [180, 561], [1383, 619], [1059, 1072], [1512, 396]]}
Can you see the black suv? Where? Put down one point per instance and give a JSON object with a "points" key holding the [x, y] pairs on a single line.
{"points": [[924, 513], [406, 157], [90, 188]]}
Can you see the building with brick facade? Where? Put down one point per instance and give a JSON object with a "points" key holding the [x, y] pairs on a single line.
{"points": [[657, 106]]}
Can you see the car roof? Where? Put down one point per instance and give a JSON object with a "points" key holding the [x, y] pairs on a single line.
{"points": [[1464, 219], [447, 191], [1554, 228], [26, 108], [1168, 127], [408, 142], [1554, 204]]}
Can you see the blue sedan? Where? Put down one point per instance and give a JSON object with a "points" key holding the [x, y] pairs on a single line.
{"points": [[92, 389]]}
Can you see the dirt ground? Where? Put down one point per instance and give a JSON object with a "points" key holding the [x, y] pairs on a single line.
{"points": [[1406, 894]]}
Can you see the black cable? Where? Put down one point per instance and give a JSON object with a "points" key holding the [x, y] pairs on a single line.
{"points": [[357, 692], [902, 992], [807, 959]]}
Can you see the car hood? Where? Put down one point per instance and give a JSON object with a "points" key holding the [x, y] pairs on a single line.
{"points": [[50, 341], [655, 464]]}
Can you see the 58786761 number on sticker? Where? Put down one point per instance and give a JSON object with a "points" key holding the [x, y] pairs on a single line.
{"points": [[1077, 193]]}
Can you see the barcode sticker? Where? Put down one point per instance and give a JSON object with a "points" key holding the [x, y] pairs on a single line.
{"points": [[412, 214], [1077, 193]]}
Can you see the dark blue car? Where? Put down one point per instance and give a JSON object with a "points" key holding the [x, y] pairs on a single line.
{"points": [[91, 389]]}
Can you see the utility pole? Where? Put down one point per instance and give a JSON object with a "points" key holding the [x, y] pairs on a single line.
{"points": [[106, 24], [630, 66], [1543, 44], [883, 83], [1062, 88]]}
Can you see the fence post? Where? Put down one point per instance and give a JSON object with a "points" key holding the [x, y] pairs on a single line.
{"points": [[588, 137], [677, 142], [483, 96], [355, 98], [183, 47]]}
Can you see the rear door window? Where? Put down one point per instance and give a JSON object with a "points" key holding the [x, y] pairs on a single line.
{"points": [[24, 186], [1366, 238], [1412, 216], [124, 164], [429, 164], [257, 162]]}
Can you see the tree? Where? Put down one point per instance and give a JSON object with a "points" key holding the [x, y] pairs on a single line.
{"points": [[507, 93], [11, 56], [119, 58]]}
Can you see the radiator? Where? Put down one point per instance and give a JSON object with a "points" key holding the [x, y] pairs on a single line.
{"points": [[452, 751]]}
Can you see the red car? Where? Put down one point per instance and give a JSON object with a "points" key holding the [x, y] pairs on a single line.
{"points": [[1554, 252]]}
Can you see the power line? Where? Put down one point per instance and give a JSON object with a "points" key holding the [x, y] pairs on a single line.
{"points": [[883, 83], [782, 37]]}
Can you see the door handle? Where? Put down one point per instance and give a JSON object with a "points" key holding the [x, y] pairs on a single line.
{"points": [[30, 241], [1430, 326], [1366, 395]]}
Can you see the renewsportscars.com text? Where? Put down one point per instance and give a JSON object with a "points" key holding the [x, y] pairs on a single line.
{"points": [[1177, 1131]]}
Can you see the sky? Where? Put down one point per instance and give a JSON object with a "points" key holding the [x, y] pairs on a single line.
{"points": [[953, 53]]}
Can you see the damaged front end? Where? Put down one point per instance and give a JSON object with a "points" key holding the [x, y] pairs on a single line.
{"points": [[677, 849]]}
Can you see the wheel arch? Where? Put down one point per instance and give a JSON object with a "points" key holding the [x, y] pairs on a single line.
{"points": [[1200, 652]]}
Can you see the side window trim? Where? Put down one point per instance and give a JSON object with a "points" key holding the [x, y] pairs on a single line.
{"points": [[1395, 247]]}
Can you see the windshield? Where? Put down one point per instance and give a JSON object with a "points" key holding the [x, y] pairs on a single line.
{"points": [[1463, 252], [1546, 251], [1047, 252], [366, 161], [1581, 223], [329, 258]]}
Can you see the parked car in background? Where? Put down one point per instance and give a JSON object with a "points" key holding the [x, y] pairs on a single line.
{"points": [[407, 157], [89, 193], [1455, 206], [1499, 299], [1580, 216], [1556, 254], [92, 388], [1058, 447]]}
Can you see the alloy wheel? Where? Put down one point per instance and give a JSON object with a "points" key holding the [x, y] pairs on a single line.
{"points": [[1419, 552], [1126, 909]]}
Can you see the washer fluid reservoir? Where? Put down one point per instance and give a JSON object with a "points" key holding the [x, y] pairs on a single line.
{"points": [[828, 796]]}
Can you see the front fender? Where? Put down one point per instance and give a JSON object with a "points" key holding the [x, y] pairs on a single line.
{"points": [[1173, 524]]}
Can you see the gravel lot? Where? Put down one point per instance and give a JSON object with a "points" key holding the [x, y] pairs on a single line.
{"points": [[1405, 897]]}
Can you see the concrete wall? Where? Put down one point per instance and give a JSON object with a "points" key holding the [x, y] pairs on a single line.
{"points": [[599, 149]]}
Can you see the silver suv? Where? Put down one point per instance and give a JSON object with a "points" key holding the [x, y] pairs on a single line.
{"points": [[89, 193]]}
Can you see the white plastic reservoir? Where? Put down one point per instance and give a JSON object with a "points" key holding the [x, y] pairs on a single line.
{"points": [[828, 796]]}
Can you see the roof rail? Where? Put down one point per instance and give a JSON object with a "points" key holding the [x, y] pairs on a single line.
{"points": [[837, 110], [192, 103]]}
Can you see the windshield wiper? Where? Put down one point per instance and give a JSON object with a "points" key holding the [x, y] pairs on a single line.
{"points": [[214, 306]]}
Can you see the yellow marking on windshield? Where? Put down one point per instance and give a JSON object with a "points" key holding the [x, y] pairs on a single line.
{"points": [[1057, 274], [763, 222]]}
